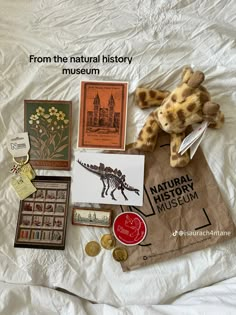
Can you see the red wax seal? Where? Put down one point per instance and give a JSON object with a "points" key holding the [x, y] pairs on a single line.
{"points": [[129, 228]]}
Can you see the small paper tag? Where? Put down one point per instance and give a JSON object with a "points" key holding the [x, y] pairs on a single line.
{"points": [[28, 171], [193, 137], [18, 144], [196, 144], [22, 186]]}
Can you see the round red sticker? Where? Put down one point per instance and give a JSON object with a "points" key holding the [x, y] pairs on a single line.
{"points": [[129, 228]]}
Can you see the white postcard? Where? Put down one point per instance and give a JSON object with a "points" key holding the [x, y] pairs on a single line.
{"points": [[108, 179]]}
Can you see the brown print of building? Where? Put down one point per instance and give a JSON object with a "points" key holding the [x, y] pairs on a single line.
{"points": [[103, 116]]}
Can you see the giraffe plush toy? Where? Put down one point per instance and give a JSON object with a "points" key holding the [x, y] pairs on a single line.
{"points": [[189, 103]]}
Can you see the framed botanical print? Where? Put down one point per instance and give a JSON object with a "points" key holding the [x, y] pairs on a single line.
{"points": [[48, 124]]}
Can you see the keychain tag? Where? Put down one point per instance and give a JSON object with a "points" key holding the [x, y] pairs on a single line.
{"points": [[22, 186], [27, 170], [23, 169], [18, 144]]}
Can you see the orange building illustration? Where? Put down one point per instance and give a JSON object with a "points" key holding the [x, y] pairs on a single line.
{"points": [[103, 116]]}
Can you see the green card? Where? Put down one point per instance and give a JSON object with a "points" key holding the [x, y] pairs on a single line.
{"points": [[49, 126]]}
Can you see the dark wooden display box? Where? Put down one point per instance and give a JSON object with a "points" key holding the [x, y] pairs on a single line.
{"points": [[42, 216]]}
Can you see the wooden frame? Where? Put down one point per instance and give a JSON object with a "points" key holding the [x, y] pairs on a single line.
{"points": [[43, 215], [49, 126], [91, 217]]}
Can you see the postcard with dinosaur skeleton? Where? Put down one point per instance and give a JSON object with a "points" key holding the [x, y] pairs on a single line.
{"points": [[108, 179], [103, 114]]}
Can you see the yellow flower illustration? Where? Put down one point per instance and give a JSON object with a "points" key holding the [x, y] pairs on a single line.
{"points": [[52, 111], [34, 117], [40, 111], [60, 115], [48, 125]]}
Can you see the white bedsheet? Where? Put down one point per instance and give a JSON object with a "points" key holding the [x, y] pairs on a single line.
{"points": [[162, 37], [27, 300]]}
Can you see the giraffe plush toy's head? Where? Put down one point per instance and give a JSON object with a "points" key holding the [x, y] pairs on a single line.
{"points": [[187, 104]]}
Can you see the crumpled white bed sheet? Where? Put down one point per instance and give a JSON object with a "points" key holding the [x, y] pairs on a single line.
{"points": [[36, 300], [162, 37]]}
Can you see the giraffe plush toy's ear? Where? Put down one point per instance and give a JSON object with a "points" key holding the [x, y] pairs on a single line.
{"points": [[193, 79], [186, 74], [196, 79]]}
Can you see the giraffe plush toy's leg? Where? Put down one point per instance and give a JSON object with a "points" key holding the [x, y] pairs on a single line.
{"points": [[176, 159], [146, 98], [148, 135]]}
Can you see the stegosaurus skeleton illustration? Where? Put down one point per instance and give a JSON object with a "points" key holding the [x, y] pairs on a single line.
{"points": [[110, 178]]}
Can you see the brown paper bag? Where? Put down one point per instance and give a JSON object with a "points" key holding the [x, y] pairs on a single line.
{"points": [[183, 209]]}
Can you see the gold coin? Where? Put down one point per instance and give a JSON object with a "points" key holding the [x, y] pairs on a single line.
{"points": [[120, 254], [108, 241], [92, 248]]}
